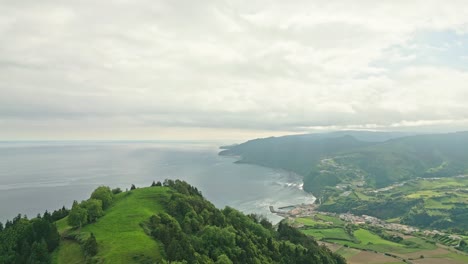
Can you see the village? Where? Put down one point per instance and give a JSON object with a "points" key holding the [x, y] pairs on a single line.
{"points": [[309, 210]]}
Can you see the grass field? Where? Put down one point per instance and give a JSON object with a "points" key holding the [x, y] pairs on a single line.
{"points": [[332, 219], [121, 224], [327, 234], [364, 239], [436, 198], [347, 252], [308, 221], [409, 202], [69, 252]]}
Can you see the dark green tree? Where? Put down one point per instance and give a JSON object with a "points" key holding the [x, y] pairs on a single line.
{"points": [[90, 246], [39, 253]]}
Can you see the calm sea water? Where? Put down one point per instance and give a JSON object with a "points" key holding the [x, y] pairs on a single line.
{"points": [[39, 176]]}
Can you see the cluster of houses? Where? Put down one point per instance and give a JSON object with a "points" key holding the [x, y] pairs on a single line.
{"points": [[374, 221], [306, 210]]}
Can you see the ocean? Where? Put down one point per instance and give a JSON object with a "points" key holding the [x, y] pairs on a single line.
{"points": [[39, 176]]}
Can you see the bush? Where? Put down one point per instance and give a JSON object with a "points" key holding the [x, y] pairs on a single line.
{"points": [[116, 191]]}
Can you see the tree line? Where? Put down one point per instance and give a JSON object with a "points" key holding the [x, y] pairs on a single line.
{"points": [[192, 230], [24, 240]]}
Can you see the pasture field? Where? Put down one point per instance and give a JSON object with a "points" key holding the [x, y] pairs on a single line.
{"points": [[120, 224], [428, 203], [365, 246], [328, 234]]}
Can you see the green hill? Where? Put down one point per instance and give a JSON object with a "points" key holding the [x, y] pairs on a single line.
{"points": [[340, 158], [165, 223], [294, 153], [119, 233]]}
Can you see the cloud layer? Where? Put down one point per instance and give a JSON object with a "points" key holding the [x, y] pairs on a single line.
{"points": [[169, 69]]}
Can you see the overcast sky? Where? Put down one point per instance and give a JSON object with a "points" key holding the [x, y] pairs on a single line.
{"points": [[148, 69]]}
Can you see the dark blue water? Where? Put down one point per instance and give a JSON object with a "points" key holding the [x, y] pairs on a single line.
{"points": [[39, 176]]}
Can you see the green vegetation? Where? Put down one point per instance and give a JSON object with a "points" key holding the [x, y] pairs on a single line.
{"points": [[193, 230], [69, 252], [103, 194], [328, 234], [347, 252], [119, 234], [28, 241], [427, 203], [327, 161], [294, 153], [356, 238], [165, 223], [309, 221], [413, 180]]}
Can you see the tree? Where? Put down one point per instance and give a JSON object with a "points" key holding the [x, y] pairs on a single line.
{"points": [[133, 187], [78, 216], [223, 259], [90, 246], [47, 216], [39, 253], [116, 191], [153, 184], [1, 227], [94, 209], [104, 194], [59, 214]]}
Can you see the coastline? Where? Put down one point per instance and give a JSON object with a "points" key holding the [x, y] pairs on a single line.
{"points": [[288, 180]]}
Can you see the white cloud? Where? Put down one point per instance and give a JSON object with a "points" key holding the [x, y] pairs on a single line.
{"points": [[224, 65]]}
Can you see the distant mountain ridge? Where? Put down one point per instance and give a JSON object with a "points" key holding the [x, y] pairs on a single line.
{"points": [[376, 159]]}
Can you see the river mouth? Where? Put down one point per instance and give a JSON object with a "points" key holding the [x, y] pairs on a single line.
{"points": [[46, 176]]}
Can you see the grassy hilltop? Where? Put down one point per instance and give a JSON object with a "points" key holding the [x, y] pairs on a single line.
{"points": [[165, 223], [118, 233]]}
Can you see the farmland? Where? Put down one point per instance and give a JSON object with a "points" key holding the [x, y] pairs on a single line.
{"points": [[435, 203], [362, 243]]}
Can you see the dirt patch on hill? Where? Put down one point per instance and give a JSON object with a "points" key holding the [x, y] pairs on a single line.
{"points": [[333, 247], [371, 258]]}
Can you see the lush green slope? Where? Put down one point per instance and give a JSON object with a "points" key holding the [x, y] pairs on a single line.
{"points": [[119, 233], [328, 161], [175, 224]]}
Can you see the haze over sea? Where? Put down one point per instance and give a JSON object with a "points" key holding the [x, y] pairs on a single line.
{"points": [[39, 176]]}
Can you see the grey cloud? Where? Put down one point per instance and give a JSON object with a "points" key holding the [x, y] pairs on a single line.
{"points": [[264, 65]]}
